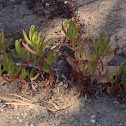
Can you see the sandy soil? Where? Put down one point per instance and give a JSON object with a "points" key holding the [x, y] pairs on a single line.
{"points": [[98, 15]]}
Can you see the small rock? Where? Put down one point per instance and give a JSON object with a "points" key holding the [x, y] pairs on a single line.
{"points": [[85, 124], [17, 117], [93, 121], [24, 115], [20, 120], [32, 125], [93, 116], [47, 4], [15, 107], [30, 107], [116, 102], [65, 2], [85, 97], [1, 110]]}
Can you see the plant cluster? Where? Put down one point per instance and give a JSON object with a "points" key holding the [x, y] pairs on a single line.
{"points": [[88, 65], [36, 57], [34, 53], [117, 83]]}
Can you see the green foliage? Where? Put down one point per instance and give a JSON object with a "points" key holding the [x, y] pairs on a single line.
{"points": [[39, 54], [36, 41], [9, 66], [1, 70], [51, 57], [45, 66], [11, 45], [112, 79], [120, 77], [101, 45], [121, 69], [33, 52], [91, 67], [39, 50], [21, 52], [36, 60], [2, 42], [95, 56], [23, 74], [30, 74], [123, 80], [80, 54], [71, 32], [122, 73], [3, 47]]}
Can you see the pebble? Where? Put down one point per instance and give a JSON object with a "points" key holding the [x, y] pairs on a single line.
{"points": [[24, 115], [116, 102], [16, 107], [17, 117], [85, 124], [32, 125], [85, 97], [93, 116], [93, 121], [47, 4], [30, 107], [20, 120], [65, 2], [1, 110]]}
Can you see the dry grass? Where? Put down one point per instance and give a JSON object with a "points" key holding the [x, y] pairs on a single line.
{"points": [[21, 101]]}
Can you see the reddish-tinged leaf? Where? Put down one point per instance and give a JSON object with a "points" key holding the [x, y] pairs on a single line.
{"points": [[31, 51]]}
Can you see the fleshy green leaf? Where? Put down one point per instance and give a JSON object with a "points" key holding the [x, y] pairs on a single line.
{"points": [[23, 74], [31, 51], [26, 38], [45, 67]]}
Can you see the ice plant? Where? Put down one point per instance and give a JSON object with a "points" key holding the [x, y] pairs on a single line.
{"points": [[71, 32], [41, 56]]}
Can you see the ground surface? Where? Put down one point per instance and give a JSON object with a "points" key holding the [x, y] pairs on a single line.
{"points": [[98, 15]]}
